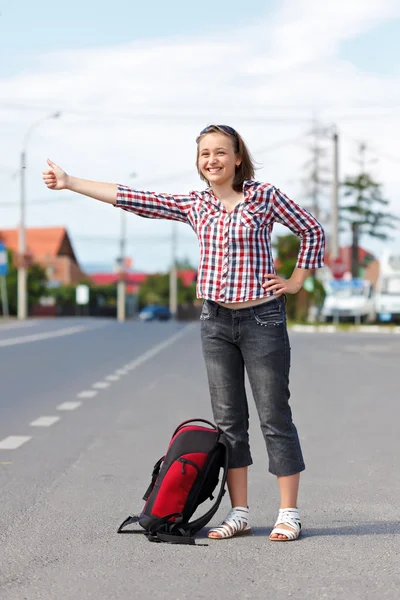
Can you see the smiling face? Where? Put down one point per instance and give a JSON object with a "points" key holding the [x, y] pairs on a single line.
{"points": [[217, 160]]}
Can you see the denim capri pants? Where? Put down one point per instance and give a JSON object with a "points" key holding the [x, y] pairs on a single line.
{"points": [[254, 339]]}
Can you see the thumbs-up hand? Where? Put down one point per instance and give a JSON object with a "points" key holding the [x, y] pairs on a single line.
{"points": [[54, 177]]}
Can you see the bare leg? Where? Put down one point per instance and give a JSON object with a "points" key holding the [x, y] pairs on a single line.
{"points": [[289, 489], [237, 486]]}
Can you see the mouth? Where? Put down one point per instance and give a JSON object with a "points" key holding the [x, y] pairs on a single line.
{"points": [[214, 170]]}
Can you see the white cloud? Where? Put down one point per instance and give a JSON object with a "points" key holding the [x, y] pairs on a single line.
{"points": [[110, 97]]}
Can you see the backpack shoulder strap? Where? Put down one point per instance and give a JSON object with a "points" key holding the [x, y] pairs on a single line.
{"points": [[131, 519], [197, 524]]}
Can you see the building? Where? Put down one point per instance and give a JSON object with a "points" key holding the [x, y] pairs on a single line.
{"points": [[342, 264], [51, 248], [135, 280]]}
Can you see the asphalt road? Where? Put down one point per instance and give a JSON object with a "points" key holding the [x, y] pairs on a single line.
{"points": [[76, 457]]}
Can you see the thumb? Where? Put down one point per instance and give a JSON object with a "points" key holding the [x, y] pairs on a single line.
{"points": [[51, 164]]}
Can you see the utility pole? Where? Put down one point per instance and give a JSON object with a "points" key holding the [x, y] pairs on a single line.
{"points": [[121, 285], [173, 275], [315, 169], [315, 173], [334, 245]]}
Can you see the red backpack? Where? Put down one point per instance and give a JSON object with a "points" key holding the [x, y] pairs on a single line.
{"points": [[188, 476]]}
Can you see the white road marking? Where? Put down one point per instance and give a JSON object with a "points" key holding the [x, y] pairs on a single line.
{"points": [[69, 405], [44, 421], [18, 325], [121, 372], [12, 442], [87, 394], [101, 385], [26, 339], [112, 377], [150, 353]]}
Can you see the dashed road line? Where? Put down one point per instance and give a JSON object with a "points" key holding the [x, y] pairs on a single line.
{"points": [[87, 394], [69, 405], [12, 442], [44, 421]]}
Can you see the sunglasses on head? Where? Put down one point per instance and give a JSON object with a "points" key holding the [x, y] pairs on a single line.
{"points": [[225, 128]]}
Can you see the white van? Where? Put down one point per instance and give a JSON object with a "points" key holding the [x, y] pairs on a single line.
{"points": [[387, 300], [349, 300]]}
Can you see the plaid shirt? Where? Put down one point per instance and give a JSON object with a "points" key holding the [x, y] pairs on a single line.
{"points": [[235, 247]]}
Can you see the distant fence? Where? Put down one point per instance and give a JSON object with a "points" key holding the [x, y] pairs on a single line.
{"points": [[184, 313]]}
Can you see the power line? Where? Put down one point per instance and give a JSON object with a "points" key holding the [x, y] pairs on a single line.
{"points": [[370, 144], [204, 117], [101, 239]]}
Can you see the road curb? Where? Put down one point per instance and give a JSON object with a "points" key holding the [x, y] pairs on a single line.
{"points": [[353, 329]]}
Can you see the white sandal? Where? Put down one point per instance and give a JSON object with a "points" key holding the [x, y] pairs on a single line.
{"points": [[291, 518], [235, 523]]}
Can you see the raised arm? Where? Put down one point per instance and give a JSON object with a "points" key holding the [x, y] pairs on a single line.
{"points": [[56, 179], [144, 204]]}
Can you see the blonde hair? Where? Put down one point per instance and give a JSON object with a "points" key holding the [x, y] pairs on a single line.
{"points": [[246, 168]]}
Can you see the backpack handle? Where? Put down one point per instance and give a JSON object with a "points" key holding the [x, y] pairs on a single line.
{"points": [[194, 421]]}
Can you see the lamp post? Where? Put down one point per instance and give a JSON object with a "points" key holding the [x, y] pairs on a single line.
{"points": [[22, 308], [173, 274]]}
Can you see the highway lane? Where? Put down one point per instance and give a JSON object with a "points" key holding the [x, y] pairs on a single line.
{"points": [[65, 491]]}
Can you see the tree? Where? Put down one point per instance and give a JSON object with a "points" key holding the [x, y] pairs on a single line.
{"points": [[36, 288], [288, 247], [363, 211], [184, 263], [155, 290]]}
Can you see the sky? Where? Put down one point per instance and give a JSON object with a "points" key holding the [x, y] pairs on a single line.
{"points": [[135, 83]]}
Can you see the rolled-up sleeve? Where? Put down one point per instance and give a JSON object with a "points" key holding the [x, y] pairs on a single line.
{"points": [[302, 224], [154, 206]]}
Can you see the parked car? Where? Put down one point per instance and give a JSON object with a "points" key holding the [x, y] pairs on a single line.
{"points": [[349, 300], [388, 287], [155, 312]]}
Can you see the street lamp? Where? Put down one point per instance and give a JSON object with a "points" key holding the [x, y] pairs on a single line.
{"points": [[22, 309]]}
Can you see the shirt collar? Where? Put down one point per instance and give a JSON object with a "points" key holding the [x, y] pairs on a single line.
{"points": [[213, 200]]}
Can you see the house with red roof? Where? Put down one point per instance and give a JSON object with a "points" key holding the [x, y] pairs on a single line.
{"points": [[50, 247], [135, 280]]}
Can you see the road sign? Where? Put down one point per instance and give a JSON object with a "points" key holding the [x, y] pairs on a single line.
{"points": [[338, 268], [82, 294], [3, 260]]}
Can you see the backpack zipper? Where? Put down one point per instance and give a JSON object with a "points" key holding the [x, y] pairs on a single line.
{"points": [[187, 462]]}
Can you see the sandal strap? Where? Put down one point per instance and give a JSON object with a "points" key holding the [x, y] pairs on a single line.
{"points": [[291, 518], [236, 520]]}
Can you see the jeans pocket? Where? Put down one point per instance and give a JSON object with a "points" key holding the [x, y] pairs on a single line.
{"points": [[271, 314], [206, 311]]}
